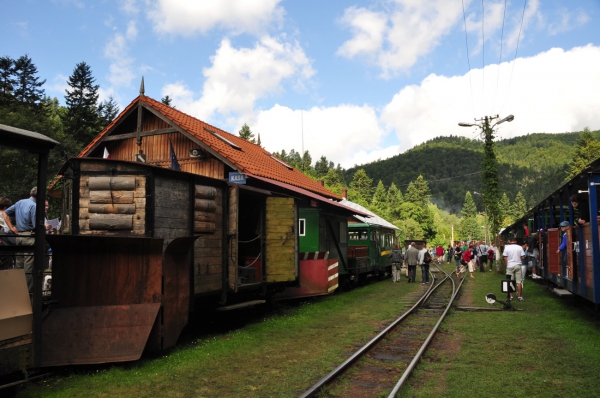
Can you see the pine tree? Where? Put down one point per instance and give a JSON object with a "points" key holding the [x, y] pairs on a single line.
{"points": [[361, 188], [519, 206], [7, 80], [469, 209], [81, 121], [395, 199], [247, 134], [27, 87], [321, 167], [379, 203], [506, 210], [166, 100], [418, 192], [107, 111]]}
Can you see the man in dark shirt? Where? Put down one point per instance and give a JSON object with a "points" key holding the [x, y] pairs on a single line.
{"points": [[582, 207]]}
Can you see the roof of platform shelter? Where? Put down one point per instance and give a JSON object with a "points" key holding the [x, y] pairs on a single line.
{"points": [[24, 139], [373, 219], [242, 155]]}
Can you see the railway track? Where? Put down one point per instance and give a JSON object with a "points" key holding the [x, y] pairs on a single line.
{"points": [[383, 365]]}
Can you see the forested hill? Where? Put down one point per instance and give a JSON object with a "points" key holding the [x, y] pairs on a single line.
{"points": [[535, 165]]}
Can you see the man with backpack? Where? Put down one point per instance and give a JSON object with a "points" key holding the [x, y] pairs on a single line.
{"points": [[396, 257], [424, 260]]}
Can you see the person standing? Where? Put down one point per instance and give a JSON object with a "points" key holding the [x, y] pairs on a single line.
{"points": [[449, 254], [412, 259], [513, 255], [457, 256], [6, 228], [424, 261], [24, 212], [524, 264], [468, 258], [562, 249], [396, 258], [439, 253]]}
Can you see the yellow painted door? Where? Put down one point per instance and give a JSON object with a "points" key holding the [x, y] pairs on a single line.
{"points": [[280, 259]]}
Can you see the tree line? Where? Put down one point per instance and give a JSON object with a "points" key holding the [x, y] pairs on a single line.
{"points": [[24, 104]]}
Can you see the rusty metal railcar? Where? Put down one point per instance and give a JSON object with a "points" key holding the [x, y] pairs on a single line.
{"points": [[141, 242]]}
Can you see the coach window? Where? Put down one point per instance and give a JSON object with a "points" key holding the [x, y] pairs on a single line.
{"points": [[302, 227]]}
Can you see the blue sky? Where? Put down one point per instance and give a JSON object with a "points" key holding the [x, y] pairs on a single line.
{"points": [[355, 81]]}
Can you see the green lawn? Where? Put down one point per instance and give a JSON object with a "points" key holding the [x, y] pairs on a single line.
{"points": [[551, 348]]}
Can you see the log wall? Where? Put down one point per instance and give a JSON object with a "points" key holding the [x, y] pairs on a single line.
{"points": [[112, 205]]}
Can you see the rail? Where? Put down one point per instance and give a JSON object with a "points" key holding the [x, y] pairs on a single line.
{"points": [[350, 361]]}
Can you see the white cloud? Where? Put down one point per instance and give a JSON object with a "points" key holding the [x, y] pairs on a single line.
{"points": [[183, 17], [395, 40], [129, 6], [240, 77], [345, 134], [568, 20], [552, 92], [117, 50]]}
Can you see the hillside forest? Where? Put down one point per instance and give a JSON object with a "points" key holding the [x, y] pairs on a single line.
{"points": [[430, 191]]}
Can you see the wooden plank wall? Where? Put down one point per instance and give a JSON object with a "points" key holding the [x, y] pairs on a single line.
{"points": [[281, 239], [112, 205], [234, 205], [171, 209], [156, 149], [208, 254]]}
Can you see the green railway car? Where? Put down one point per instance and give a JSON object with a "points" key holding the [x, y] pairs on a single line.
{"points": [[369, 249]]}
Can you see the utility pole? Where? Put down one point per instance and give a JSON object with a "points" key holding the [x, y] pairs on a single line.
{"points": [[491, 192]]}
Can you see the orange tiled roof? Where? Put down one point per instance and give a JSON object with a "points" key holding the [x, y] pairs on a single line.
{"points": [[251, 159]]}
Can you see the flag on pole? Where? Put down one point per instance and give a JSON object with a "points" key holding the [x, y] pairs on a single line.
{"points": [[106, 154], [174, 162]]}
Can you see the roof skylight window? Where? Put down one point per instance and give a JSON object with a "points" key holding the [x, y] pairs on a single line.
{"points": [[223, 139], [281, 161]]}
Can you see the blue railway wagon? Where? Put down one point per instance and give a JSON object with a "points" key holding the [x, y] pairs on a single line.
{"points": [[581, 273]]}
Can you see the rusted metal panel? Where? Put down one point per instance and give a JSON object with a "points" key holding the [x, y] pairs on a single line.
{"points": [[102, 270], [97, 334], [177, 288]]}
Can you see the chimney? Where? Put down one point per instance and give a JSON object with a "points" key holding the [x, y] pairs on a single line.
{"points": [[321, 183], [345, 194]]}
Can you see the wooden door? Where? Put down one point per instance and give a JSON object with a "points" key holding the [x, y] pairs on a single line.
{"points": [[554, 239], [281, 240], [232, 237]]}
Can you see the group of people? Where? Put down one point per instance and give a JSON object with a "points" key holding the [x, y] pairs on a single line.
{"points": [[472, 255], [411, 258], [17, 227]]}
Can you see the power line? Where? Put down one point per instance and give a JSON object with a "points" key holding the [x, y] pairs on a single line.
{"points": [[482, 57], [500, 61], [442, 179], [515, 60], [468, 60]]}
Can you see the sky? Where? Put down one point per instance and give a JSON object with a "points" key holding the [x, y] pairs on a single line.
{"points": [[355, 81]]}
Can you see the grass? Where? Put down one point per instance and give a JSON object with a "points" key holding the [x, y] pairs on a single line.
{"points": [[281, 356], [550, 349]]}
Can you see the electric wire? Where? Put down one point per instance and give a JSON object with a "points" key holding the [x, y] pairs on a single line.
{"points": [[500, 61], [515, 60], [468, 60], [482, 58]]}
